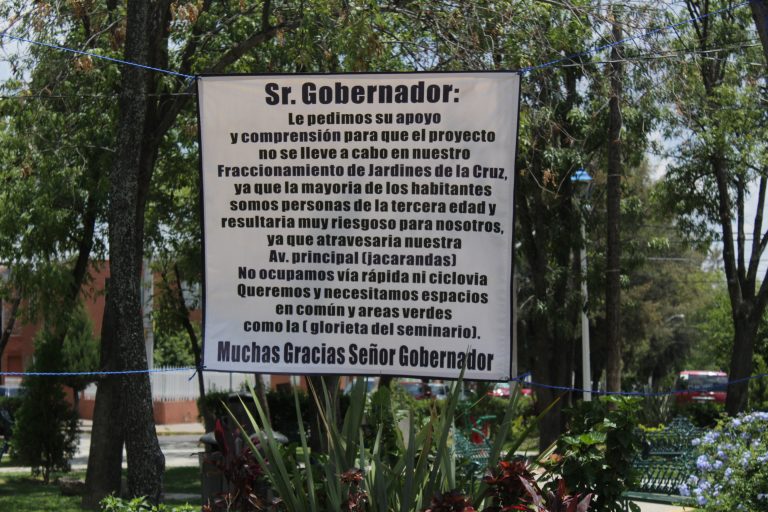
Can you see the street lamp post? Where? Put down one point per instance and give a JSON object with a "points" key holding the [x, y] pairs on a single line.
{"points": [[583, 182]]}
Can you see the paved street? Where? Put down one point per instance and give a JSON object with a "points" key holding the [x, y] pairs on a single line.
{"points": [[179, 443], [179, 450]]}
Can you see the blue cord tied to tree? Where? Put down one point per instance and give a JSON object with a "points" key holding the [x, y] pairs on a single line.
{"points": [[520, 379], [94, 55]]}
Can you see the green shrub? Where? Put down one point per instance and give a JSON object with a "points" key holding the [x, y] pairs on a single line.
{"points": [[281, 404], [173, 349], [45, 433], [114, 504], [10, 404], [595, 454], [702, 414], [656, 410], [381, 421]]}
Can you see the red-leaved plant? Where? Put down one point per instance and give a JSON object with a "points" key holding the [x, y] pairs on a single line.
{"points": [[240, 468], [356, 497], [513, 487], [563, 502], [452, 501], [510, 485]]}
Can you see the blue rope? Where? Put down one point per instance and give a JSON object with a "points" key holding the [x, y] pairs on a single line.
{"points": [[89, 54], [78, 374], [521, 380], [628, 39]]}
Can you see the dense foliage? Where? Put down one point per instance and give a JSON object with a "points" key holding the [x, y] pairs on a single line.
{"points": [[595, 455]]}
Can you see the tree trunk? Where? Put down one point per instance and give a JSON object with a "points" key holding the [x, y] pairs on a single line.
{"points": [[318, 441], [552, 338], [131, 394], [208, 418], [550, 368], [261, 395], [745, 332], [760, 15], [613, 213], [105, 458], [126, 220], [745, 306]]}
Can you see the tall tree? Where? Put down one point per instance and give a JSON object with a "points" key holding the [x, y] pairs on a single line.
{"points": [[563, 122], [143, 126], [146, 463], [719, 100]]}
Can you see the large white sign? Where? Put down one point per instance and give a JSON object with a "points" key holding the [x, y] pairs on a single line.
{"points": [[359, 224]]}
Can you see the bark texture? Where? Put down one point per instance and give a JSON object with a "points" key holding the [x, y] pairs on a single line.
{"points": [[125, 410], [760, 15]]}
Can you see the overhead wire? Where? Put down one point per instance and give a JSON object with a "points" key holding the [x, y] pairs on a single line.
{"points": [[561, 60]]}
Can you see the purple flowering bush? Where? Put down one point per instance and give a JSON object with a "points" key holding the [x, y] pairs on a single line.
{"points": [[731, 466]]}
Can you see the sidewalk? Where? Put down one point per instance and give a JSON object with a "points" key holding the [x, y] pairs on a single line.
{"points": [[162, 430], [656, 507]]}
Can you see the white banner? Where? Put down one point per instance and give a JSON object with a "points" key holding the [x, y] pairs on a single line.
{"points": [[359, 224]]}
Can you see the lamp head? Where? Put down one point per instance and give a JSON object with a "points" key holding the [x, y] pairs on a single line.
{"points": [[582, 181]]}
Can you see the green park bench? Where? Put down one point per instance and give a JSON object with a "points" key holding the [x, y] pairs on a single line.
{"points": [[474, 453], [666, 461], [471, 444]]}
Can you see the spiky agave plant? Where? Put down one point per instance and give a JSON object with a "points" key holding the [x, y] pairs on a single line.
{"points": [[424, 466]]}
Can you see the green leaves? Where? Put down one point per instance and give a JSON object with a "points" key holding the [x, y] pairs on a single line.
{"points": [[404, 480]]}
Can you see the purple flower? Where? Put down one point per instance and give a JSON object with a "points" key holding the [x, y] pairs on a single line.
{"points": [[745, 460], [703, 463]]}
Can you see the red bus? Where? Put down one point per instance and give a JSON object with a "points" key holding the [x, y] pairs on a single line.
{"points": [[701, 386]]}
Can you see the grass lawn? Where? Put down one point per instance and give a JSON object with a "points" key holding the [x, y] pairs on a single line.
{"points": [[19, 492], [530, 445], [183, 481]]}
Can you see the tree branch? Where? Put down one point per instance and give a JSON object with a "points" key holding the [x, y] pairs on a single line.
{"points": [[758, 248], [729, 256], [171, 110], [740, 237]]}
